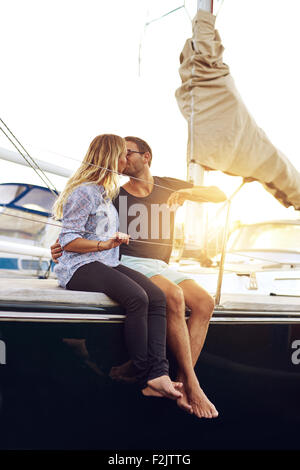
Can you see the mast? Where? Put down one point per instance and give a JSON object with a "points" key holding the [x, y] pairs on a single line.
{"points": [[207, 5], [195, 220], [196, 215]]}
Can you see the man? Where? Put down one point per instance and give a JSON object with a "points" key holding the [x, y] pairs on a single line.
{"points": [[146, 211]]}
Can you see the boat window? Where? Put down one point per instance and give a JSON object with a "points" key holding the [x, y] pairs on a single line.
{"points": [[37, 199], [22, 229], [8, 192], [34, 265], [266, 237]]}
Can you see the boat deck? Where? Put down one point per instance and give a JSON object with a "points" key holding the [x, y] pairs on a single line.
{"points": [[43, 300]]}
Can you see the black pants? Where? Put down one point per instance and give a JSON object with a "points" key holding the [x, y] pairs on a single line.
{"points": [[145, 306]]}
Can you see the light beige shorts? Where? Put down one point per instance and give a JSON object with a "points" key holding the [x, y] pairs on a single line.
{"points": [[153, 267]]}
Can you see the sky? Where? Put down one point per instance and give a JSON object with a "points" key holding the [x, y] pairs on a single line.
{"points": [[72, 69]]}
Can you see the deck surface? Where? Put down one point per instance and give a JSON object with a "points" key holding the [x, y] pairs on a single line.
{"points": [[46, 291]]}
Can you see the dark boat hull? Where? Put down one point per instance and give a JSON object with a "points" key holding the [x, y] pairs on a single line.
{"points": [[51, 399]]}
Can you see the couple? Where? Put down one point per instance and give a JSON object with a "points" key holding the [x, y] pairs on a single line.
{"points": [[90, 262]]}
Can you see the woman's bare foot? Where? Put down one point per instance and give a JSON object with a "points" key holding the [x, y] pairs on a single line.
{"points": [[149, 392], [201, 406], [163, 386]]}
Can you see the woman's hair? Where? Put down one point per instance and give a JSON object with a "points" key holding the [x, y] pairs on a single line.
{"points": [[104, 151]]}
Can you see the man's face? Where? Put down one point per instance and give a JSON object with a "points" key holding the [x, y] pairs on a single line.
{"points": [[122, 162], [135, 161]]}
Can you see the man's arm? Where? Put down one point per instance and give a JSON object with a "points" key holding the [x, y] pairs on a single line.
{"points": [[82, 245], [198, 194], [56, 251]]}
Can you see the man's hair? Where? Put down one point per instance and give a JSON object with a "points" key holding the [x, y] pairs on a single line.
{"points": [[141, 144]]}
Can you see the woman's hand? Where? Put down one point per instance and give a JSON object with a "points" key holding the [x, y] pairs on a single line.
{"points": [[118, 239]]}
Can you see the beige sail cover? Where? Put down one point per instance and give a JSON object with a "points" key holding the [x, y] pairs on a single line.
{"points": [[222, 134]]}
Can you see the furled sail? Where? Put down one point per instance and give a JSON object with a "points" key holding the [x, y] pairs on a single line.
{"points": [[222, 134]]}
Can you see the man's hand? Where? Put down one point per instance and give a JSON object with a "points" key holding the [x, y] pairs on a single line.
{"points": [[56, 251], [177, 198], [198, 194]]}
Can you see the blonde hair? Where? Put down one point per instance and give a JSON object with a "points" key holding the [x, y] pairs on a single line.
{"points": [[104, 151]]}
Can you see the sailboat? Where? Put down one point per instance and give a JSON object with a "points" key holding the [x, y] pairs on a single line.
{"points": [[253, 339]]}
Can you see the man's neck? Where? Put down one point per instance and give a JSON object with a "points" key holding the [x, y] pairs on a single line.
{"points": [[142, 186]]}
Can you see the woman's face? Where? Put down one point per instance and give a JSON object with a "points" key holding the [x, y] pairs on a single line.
{"points": [[122, 162]]}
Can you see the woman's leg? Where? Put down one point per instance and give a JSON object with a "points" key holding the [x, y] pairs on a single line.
{"points": [[98, 277], [158, 380], [158, 364]]}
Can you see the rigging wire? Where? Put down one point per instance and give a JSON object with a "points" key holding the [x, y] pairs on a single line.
{"points": [[212, 231], [31, 162], [81, 231], [133, 177], [164, 15], [148, 242], [148, 23], [97, 166]]}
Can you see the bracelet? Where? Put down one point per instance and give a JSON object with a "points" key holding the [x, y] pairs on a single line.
{"points": [[98, 245]]}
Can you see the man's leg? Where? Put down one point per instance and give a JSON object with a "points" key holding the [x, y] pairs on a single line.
{"points": [[202, 306], [178, 337]]}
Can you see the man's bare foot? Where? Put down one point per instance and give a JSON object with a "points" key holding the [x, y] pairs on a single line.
{"points": [[183, 402], [124, 373], [202, 407], [163, 386]]}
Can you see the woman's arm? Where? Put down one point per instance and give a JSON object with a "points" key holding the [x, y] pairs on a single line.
{"points": [[82, 245]]}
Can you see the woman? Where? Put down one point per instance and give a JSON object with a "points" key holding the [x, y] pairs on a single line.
{"points": [[90, 261]]}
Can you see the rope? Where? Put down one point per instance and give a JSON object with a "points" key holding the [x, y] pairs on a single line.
{"points": [[259, 258], [133, 240], [165, 14], [86, 231], [147, 23], [213, 230], [31, 162]]}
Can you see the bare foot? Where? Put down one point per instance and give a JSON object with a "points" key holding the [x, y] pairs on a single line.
{"points": [[183, 402], [149, 392], [202, 407], [124, 373], [164, 387]]}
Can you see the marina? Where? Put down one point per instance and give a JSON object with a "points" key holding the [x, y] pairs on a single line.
{"points": [[53, 396]]}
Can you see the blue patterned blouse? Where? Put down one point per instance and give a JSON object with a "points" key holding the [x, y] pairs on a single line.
{"points": [[86, 214]]}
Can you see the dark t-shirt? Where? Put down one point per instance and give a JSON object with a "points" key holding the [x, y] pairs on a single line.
{"points": [[149, 219]]}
